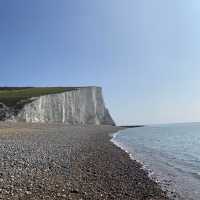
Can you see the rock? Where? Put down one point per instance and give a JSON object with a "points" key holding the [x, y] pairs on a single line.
{"points": [[28, 192], [81, 106], [5, 112]]}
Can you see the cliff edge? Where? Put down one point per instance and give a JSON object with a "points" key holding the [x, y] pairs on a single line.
{"points": [[84, 105]]}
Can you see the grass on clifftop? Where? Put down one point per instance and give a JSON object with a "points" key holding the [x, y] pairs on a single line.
{"points": [[12, 96]]}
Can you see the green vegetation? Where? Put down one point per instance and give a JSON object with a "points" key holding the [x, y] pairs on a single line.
{"points": [[16, 97]]}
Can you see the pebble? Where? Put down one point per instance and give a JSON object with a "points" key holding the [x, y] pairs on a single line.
{"points": [[55, 161]]}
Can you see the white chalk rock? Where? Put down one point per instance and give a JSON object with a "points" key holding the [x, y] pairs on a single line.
{"points": [[81, 106]]}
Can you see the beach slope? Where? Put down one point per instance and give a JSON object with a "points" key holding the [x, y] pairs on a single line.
{"points": [[55, 161]]}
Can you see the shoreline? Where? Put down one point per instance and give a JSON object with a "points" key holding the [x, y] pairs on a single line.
{"points": [[151, 174], [68, 162]]}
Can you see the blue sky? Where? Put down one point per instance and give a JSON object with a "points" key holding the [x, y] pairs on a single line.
{"points": [[144, 53]]}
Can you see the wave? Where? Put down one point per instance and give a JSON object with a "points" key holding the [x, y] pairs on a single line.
{"points": [[196, 175], [164, 183]]}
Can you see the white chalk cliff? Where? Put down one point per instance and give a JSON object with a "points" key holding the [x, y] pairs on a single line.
{"points": [[81, 106]]}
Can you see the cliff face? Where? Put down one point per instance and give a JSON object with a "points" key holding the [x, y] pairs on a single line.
{"points": [[80, 106]]}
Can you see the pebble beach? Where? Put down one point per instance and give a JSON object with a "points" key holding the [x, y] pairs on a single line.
{"points": [[56, 161]]}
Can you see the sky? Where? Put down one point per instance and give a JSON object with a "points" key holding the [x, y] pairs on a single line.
{"points": [[145, 54]]}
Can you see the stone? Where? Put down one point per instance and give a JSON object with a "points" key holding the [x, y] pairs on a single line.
{"points": [[81, 106]]}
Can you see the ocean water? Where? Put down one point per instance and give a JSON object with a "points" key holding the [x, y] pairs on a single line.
{"points": [[171, 154]]}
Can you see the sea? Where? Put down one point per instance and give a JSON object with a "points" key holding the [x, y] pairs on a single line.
{"points": [[170, 153]]}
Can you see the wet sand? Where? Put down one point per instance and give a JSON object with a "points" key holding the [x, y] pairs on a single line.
{"points": [[55, 161]]}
